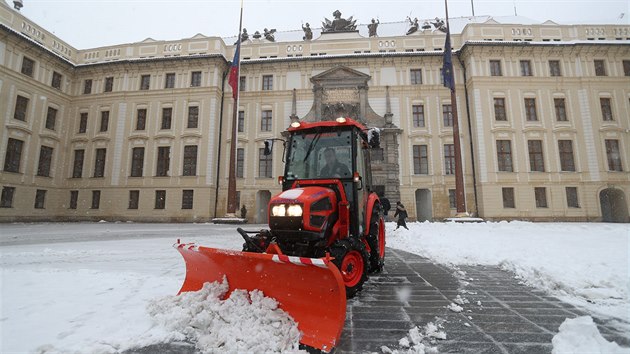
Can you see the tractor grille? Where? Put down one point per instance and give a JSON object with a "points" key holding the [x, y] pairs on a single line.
{"points": [[285, 223]]}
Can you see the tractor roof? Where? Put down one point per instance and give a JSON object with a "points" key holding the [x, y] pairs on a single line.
{"points": [[345, 122]]}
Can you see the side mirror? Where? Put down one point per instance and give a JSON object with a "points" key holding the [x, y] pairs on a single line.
{"points": [[374, 137], [268, 147]]}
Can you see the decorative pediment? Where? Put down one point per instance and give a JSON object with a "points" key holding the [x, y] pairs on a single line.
{"points": [[340, 73], [491, 21]]}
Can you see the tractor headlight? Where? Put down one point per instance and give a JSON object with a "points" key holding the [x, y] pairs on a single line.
{"points": [[294, 210], [278, 210]]}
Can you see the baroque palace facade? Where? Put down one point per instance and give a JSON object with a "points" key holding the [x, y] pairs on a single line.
{"points": [[141, 131]]}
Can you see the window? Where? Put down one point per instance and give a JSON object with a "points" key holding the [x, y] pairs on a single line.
{"points": [[417, 112], [195, 79], [499, 109], [104, 121], [526, 68], [264, 164], [96, 199], [565, 147], [449, 159], [7, 197], [187, 198], [504, 155], [51, 118], [626, 67], [13, 155], [540, 194], [190, 160], [600, 68], [169, 81], [137, 161], [27, 66], [241, 121], [145, 82], [87, 86], [508, 197], [40, 198], [134, 199], [167, 114], [265, 123], [74, 197], [607, 115], [530, 109], [447, 115], [452, 199], [163, 161], [99, 163], [267, 82], [536, 161], [56, 80], [83, 121], [416, 76], [495, 68], [141, 119], [612, 153], [193, 117], [572, 197], [109, 84], [554, 68], [77, 166], [45, 158], [240, 162], [21, 104], [160, 199], [242, 82], [561, 111], [420, 160]]}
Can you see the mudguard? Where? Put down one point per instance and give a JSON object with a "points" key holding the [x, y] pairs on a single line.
{"points": [[311, 290]]}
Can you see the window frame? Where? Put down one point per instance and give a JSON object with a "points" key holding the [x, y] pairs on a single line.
{"points": [[167, 118], [77, 164], [267, 82], [137, 162], [100, 158], [495, 68], [530, 109], [163, 161], [266, 120], [193, 117], [526, 67], [540, 197], [447, 115], [500, 113], [21, 108], [554, 68], [141, 119], [566, 155], [449, 159], [536, 156], [104, 126], [188, 198], [612, 149], [28, 66], [415, 76], [13, 155], [420, 159], [195, 79], [40, 199], [190, 160], [504, 155], [8, 194], [169, 80], [145, 82], [51, 118], [265, 164], [160, 199], [56, 80], [109, 84], [573, 198], [605, 104], [560, 108], [509, 200], [87, 86], [418, 117], [134, 199], [45, 161]]}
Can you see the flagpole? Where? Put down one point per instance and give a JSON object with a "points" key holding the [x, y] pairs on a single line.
{"points": [[460, 196], [231, 202]]}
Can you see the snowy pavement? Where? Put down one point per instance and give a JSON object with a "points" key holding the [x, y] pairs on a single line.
{"points": [[87, 287]]}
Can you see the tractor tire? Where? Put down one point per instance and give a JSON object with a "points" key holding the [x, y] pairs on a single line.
{"points": [[351, 258], [376, 241]]}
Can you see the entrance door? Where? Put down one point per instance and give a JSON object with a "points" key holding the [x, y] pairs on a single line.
{"points": [[262, 201], [614, 205], [423, 205]]}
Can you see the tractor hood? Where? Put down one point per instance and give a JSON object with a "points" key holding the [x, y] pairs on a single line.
{"points": [[306, 195]]}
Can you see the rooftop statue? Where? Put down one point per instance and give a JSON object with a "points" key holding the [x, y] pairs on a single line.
{"points": [[269, 35], [257, 35], [338, 24], [244, 35], [413, 25], [372, 27], [439, 25], [308, 34]]}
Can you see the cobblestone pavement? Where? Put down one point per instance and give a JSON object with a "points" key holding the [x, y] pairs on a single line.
{"points": [[509, 318]]}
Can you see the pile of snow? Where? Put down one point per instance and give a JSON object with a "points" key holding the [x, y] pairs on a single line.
{"points": [[580, 335], [586, 264], [418, 341], [244, 322]]}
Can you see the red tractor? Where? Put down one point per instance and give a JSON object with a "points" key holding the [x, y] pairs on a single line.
{"points": [[326, 231]]}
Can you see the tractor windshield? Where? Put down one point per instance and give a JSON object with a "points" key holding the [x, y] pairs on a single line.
{"points": [[323, 154]]}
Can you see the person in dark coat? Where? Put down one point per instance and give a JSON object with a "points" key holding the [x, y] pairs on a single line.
{"points": [[401, 213], [386, 206]]}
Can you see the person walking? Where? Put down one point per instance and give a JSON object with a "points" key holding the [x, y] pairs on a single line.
{"points": [[401, 213], [386, 206]]}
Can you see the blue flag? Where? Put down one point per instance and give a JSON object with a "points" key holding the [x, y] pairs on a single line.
{"points": [[447, 66]]}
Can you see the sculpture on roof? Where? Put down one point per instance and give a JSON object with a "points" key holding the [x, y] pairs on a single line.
{"points": [[426, 25], [439, 25], [372, 27], [308, 34], [339, 24], [244, 35], [269, 34], [413, 25]]}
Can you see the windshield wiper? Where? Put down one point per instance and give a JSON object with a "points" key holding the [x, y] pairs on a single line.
{"points": [[310, 147]]}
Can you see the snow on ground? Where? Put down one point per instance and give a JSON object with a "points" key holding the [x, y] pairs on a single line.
{"points": [[586, 264], [580, 335], [94, 287]]}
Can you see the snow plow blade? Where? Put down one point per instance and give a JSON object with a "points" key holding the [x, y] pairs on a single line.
{"points": [[310, 290]]}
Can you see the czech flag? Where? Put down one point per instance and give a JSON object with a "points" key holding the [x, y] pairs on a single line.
{"points": [[447, 67], [234, 70]]}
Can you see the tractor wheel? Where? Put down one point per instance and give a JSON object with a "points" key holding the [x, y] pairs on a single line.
{"points": [[376, 240], [351, 259]]}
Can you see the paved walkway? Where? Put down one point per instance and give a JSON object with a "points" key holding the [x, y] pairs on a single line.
{"points": [[413, 291], [509, 317]]}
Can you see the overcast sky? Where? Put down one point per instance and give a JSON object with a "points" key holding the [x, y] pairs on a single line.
{"points": [[94, 23]]}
